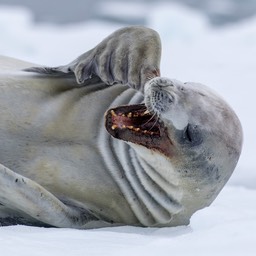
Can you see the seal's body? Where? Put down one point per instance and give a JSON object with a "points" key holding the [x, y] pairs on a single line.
{"points": [[51, 134], [106, 141]]}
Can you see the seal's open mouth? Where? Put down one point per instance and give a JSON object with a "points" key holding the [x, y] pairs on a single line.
{"points": [[135, 118], [135, 124]]}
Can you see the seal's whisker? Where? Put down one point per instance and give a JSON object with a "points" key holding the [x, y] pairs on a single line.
{"points": [[150, 119], [150, 110], [154, 116], [157, 118]]}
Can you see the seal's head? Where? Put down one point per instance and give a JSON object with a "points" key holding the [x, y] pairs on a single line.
{"points": [[192, 127]]}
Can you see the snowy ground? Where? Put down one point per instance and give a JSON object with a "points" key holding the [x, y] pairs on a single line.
{"points": [[223, 59]]}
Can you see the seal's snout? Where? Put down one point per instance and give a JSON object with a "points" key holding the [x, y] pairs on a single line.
{"points": [[161, 100], [159, 96]]}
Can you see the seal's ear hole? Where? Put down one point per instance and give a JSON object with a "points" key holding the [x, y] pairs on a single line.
{"points": [[192, 135]]}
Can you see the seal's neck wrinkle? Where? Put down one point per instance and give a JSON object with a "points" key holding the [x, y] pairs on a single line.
{"points": [[153, 201], [114, 154], [164, 197], [166, 187], [135, 194]]}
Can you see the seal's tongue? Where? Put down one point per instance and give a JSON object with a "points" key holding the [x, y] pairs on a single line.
{"points": [[133, 123]]}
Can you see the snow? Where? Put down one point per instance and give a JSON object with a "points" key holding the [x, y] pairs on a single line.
{"points": [[223, 59], [225, 228]]}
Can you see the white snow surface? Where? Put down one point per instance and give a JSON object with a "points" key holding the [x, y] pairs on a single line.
{"points": [[225, 60]]}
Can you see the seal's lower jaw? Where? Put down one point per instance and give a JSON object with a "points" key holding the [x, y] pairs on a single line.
{"points": [[133, 123]]}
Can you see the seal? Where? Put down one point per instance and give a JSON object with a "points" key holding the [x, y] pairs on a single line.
{"points": [[106, 141]]}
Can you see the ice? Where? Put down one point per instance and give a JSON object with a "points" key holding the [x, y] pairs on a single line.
{"points": [[223, 59]]}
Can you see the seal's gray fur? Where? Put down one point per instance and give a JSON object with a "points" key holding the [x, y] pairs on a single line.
{"points": [[78, 149]]}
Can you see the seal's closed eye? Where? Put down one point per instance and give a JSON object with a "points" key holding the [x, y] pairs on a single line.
{"points": [[191, 135]]}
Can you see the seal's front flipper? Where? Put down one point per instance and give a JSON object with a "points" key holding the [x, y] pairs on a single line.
{"points": [[65, 70], [68, 71], [129, 56], [23, 194]]}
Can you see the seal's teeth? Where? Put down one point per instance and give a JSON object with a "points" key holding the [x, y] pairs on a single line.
{"points": [[123, 126], [123, 115], [137, 129], [146, 112], [113, 113], [130, 127], [113, 127], [129, 114]]}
